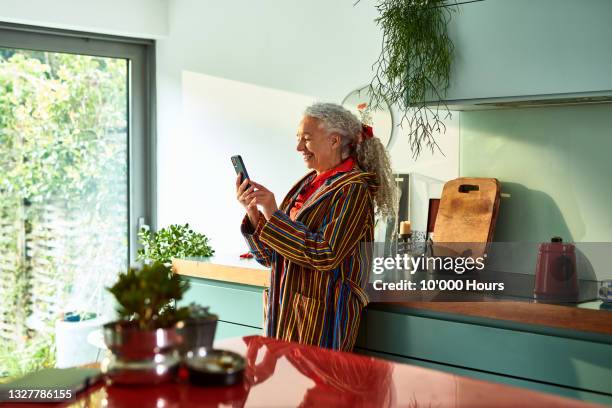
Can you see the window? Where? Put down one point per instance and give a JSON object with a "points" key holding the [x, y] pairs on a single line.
{"points": [[76, 179]]}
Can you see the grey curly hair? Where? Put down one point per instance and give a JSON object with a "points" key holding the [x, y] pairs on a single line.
{"points": [[370, 153]]}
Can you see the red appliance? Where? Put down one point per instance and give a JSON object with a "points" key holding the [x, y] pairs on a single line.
{"points": [[556, 279]]}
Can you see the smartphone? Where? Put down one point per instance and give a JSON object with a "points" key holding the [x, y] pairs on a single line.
{"points": [[240, 168]]}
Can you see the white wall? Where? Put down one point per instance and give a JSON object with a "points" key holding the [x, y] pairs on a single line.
{"points": [[221, 118], [132, 18], [234, 78]]}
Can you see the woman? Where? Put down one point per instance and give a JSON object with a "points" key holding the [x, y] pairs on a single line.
{"points": [[313, 241]]}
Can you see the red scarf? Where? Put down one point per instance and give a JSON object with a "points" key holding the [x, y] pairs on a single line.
{"points": [[317, 182]]}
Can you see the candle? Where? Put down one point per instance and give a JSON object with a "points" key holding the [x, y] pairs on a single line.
{"points": [[405, 228]]}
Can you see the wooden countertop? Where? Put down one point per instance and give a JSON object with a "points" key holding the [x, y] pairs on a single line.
{"points": [[225, 268], [579, 319], [539, 314]]}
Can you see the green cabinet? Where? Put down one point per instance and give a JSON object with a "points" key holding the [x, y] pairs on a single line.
{"points": [[519, 48], [569, 365], [239, 307], [491, 377], [227, 330], [578, 367]]}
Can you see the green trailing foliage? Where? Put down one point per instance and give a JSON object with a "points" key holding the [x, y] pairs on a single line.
{"points": [[414, 66], [174, 241], [147, 295]]}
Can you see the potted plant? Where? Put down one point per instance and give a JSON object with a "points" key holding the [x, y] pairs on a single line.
{"points": [[145, 341], [198, 329], [174, 241], [181, 241]]}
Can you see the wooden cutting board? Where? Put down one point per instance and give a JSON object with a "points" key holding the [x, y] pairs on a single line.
{"points": [[468, 210]]}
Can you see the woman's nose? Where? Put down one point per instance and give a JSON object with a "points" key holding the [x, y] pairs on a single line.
{"points": [[300, 146]]}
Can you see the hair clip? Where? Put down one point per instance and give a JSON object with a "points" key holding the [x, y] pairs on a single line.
{"points": [[367, 130]]}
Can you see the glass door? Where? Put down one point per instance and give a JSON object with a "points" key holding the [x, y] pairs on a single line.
{"points": [[71, 174]]}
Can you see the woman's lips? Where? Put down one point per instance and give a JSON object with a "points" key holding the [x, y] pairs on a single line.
{"points": [[307, 156]]}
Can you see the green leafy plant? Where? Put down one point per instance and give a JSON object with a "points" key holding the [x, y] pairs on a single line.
{"points": [[174, 241], [147, 295], [414, 65], [20, 358]]}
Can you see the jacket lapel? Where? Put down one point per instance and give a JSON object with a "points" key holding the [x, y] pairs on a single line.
{"points": [[329, 186], [294, 191]]}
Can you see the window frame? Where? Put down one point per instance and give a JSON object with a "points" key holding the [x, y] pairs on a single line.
{"points": [[140, 53]]}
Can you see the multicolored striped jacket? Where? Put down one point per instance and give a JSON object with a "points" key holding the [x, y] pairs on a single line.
{"points": [[319, 263]]}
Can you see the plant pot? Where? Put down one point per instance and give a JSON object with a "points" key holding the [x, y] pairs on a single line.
{"points": [[71, 345], [197, 333], [140, 356]]}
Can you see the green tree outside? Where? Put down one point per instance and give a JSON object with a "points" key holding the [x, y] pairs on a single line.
{"points": [[63, 194]]}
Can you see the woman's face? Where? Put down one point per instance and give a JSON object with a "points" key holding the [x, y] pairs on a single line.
{"points": [[320, 150]]}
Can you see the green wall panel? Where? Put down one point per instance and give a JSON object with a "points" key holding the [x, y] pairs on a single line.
{"points": [[555, 163]]}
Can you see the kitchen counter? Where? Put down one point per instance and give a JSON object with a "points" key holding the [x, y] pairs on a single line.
{"points": [[225, 268], [577, 320], [287, 374], [553, 348], [582, 321]]}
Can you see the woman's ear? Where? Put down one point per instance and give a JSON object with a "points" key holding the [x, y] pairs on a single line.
{"points": [[336, 141]]}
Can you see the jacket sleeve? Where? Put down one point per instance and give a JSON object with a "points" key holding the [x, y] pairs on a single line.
{"points": [[262, 253], [342, 228]]}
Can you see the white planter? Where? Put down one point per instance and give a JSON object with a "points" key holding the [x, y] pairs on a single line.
{"points": [[72, 347]]}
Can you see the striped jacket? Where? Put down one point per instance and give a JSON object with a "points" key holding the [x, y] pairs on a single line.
{"points": [[319, 267]]}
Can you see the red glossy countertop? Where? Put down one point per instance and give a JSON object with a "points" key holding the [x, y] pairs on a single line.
{"points": [[282, 374]]}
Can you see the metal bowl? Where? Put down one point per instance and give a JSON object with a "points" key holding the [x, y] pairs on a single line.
{"points": [[209, 367], [140, 356]]}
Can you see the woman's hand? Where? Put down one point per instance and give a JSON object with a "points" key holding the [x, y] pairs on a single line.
{"points": [[261, 197], [241, 194]]}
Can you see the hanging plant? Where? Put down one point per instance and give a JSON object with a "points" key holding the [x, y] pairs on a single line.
{"points": [[414, 66]]}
